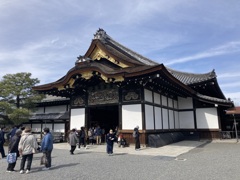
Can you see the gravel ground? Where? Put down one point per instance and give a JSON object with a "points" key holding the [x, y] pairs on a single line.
{"points": [[210, 161]]}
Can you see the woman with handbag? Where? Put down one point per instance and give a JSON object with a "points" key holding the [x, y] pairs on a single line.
{"points": [[13, 148], [27, 147]]}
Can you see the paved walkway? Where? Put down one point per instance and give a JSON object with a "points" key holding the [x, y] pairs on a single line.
{"points": [[216, 160], [171, 150]]}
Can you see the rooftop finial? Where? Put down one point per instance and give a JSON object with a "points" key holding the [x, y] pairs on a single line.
{"points": [[100, 34], [81, 59]]}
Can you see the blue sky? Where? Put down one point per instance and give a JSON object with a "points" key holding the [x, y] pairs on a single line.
{"points": [[44, 37]]}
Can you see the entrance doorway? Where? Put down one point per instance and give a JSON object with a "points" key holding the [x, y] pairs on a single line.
{"points": [[104, 116]]}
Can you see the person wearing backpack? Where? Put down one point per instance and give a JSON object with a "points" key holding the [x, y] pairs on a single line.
{"points": [[136, 137]]}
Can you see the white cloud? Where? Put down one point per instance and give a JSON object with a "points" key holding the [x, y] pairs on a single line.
{"points": [[228, 48], [234, 83], [229, 75]]}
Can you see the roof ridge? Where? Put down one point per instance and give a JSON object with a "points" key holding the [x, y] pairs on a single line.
{"points": [[211, 73], [103, 36]]}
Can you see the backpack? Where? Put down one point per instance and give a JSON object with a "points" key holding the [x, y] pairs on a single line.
{"points": [[134, 134]]}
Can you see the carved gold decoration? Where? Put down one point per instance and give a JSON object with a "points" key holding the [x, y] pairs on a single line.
{"points": [[119, 79], [131, 96], [103, 97], [98, 54], [78, 101], [69, 83], [87, 74], [60, 88]]}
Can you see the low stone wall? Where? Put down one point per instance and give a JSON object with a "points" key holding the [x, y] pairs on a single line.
{"points": [[162, 139]]}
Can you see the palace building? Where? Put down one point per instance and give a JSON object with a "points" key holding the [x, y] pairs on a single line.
{"points": [[113, 86]]}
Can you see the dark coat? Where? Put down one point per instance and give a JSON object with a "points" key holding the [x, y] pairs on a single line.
{"points": [[137, 133], [2, 139], [110, 139], [13, 145]]}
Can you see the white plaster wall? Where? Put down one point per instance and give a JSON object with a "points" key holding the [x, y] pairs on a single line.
{"points": [[171, 119], [59, 128], [165, 118], [55, 109], [164, 100], [175, 104], [156, 98], [185, 103], [170, 102], [149, 118], [77, 118], [36, 128], [177, 124], [131, 116], [186, 120], [207, 118], [39, 110], [148, 95], [158, 118]]}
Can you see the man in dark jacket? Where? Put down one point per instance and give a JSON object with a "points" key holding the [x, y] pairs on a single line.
{"points": [[82, 136], [2, 141], [137, 141], [110, 141], [47, 147], [13, 148]]}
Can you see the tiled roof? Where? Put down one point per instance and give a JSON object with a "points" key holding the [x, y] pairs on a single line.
{"points": [[136, 65], [191, 78], [129, 55], [52, 116], [112, 45], [213, 99]]}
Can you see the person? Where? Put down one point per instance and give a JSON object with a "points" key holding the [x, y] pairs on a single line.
{"points": [[90, 136], [2, 141], [13, 148], [136, 136], [27, 146], [47, 147], [73, 140], [110, 141], [121, 141], [82, 136], [12, 132], [103, 135], [116, 132], [98, 134]]}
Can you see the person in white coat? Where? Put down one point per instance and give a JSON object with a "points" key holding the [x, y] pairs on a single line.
{"points": [[27, 147]]}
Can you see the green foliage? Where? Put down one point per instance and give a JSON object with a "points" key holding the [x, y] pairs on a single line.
{"points": [[17, 97], [19, 116]]}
